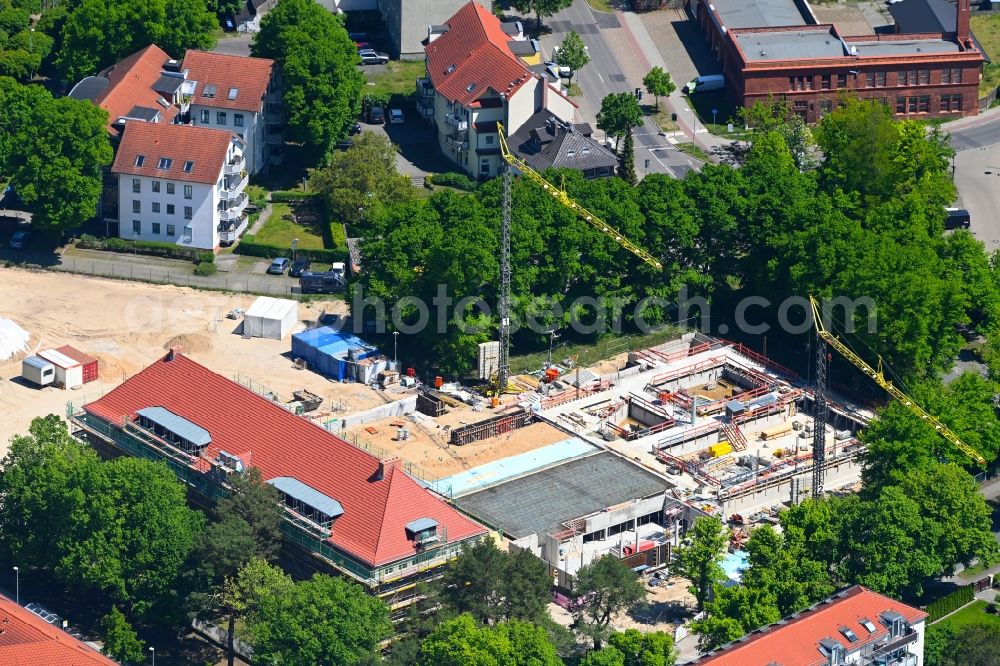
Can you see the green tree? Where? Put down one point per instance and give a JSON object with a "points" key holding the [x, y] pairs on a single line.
{"points": [[658, 84], [699, 557], [540, 8], [494, 586], [779, 566], [257, 504], [322, 84], [606, 587], [189, 24], [626, 162], [572, 53], [460, 642], [733, 612], [619, 113], [244, 595], [54, 151], [360, 181], [120, 640], [606, 656], [971, 645], [776, 115], [639, 649], [321, 620]]}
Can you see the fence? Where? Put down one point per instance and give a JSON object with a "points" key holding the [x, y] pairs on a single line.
{"points": [[249, 284]]}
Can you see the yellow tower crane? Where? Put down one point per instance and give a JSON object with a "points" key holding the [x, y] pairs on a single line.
{"points": [[514, 162], [888, 386]]}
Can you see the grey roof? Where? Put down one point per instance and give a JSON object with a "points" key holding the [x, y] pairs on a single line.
{"points": [[789, 45], [168, 84], [760, 13], [178, 425], [544, 141], [35, 362], [510, 27], [525, 47], [143, 113], [541, 502], [90, 88], [421, 524], [308, 495], [923, 16], [886, 47]]}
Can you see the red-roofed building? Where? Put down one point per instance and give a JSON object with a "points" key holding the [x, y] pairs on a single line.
{"points": [[28, 640], [474, 80], [854, 626], [181, 184], [344, 507], [241, 95]]}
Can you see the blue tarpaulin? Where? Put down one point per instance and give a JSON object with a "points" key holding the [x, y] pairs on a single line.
{"points": [[326, 350]]}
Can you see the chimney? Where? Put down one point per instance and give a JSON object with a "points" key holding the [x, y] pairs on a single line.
{"points": [[385, 468], [962, 15], [174, 351]]}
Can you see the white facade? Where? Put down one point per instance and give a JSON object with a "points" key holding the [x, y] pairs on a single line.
{"points": [[196, 215], [478, 152], [249, 126], [270, 318], [69, 373]]}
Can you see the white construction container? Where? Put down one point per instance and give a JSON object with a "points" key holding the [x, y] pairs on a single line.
{"points": [[270, 318], [69, 372], [38, 371]]}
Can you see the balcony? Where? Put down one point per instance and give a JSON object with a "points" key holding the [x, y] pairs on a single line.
{"points": [[457, 142], [231, 210], [883, 653], [235, 165], [229, 232], [425, 88], [425, 107], [458, 122], [273, 134], [234, 185]]}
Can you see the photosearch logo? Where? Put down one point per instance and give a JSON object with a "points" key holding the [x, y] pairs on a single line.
{"points": [[587, 315]]}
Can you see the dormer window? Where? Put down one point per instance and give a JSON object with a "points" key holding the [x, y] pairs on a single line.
{"points": [[422, 531], [233, 92], [894, 622], [470, 87], [849, 634], [188, 166], [209, 91], [317, 509], [164, 163], [139, 160], [867, 624], [176, 430]]}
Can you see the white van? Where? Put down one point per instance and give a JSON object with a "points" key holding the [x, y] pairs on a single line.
{"points": [[705, 83]]}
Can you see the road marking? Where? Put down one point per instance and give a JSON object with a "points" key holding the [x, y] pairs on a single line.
{"points": [[600, 77]]}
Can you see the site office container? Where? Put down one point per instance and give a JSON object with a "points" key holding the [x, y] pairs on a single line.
{"points": [[87, 362], [69, 373]]}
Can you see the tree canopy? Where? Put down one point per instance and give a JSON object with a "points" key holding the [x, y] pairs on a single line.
{"points": [[572, 53], [460, 642], [322, 84], [606, 587], [540, 8], [619, 113], [658, 84], [699, 558]]}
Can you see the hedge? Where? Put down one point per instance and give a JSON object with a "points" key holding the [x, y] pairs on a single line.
{"points": [[206, 269], [950, 603], [286, 196], [453, 179], [251, 248], [338, 234], [153, 248]]}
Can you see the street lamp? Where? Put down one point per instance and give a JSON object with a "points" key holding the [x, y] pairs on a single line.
{"points": [[395, 338], [694, 122], [17, 585], [295, 245], [152, 651]]}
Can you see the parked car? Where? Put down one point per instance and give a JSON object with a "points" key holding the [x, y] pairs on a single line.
{"points": [[558, 70], [395, 116], [338, 268], [19, 240], [355, 128], [278, 266], [957, 218], [300, 265], [705, 83], [321, 283], [370, 57], [376, 115]]}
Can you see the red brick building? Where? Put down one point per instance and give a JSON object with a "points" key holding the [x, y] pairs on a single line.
{"points": [[778, 47]]}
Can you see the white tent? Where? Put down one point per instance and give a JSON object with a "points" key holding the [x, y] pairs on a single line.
{"points": [[13, 339], [270, 318]]}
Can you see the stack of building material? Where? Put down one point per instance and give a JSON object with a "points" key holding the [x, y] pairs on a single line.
{"points": [[13, 339]]}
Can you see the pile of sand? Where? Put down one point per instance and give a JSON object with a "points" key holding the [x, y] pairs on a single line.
{"points": [[191, 343], [13, 339]]}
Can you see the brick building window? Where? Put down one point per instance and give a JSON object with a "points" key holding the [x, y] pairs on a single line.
{"points": [[924, 104], [800, 83], [824, 82], [900, 105], [875, 79], [825, 106], [907, 78], [951, 76], [951, 102], [841, 80], [924, 77]]}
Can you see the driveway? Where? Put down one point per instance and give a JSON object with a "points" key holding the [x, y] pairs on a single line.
{"points": [[234, 43], [618, 61], [418, 153]]}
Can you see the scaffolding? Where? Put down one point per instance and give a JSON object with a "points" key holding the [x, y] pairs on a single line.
{"points": [[498, 425]]}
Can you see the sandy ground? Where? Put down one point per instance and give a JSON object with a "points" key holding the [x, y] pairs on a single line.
{"points": [[665, 606], [427, 446], [128, 325]]}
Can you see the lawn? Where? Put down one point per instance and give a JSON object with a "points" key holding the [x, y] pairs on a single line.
{"points": [[974, 613], [398, 78], [280, 230], [987, 30], [694, 151], [703, 103]]}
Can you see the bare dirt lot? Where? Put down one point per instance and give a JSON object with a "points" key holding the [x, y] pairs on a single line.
{"points": [[128, 325], [427, 445]]}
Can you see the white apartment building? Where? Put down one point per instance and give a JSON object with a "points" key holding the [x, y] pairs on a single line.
{"points": [[240, 95], [475, 81], [179, 184]]}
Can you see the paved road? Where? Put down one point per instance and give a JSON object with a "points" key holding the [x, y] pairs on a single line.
{"points": [[616, 65], [977, 173]]}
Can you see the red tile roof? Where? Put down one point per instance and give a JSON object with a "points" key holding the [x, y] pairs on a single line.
{"points": [[475, 51], [797, 642], [249, 76], [206, 148], [279, 443], [27, 640], [131, 85]]}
